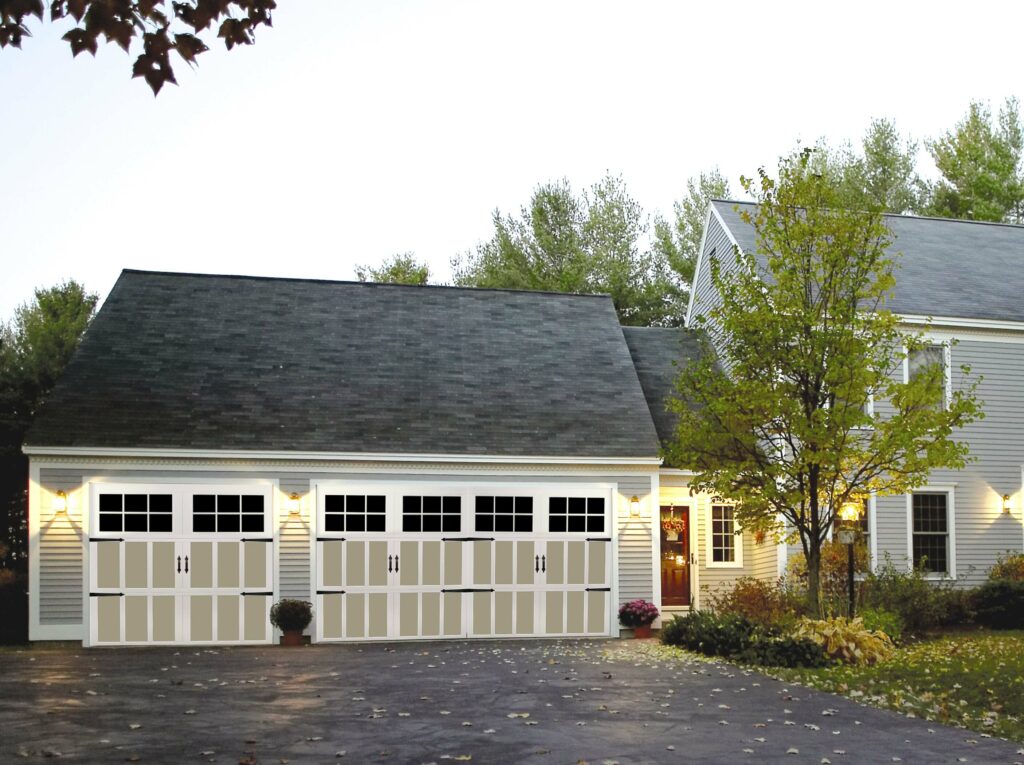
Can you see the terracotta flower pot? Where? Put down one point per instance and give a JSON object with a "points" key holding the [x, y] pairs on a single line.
{"points": [[642, 631], [292, 637]]}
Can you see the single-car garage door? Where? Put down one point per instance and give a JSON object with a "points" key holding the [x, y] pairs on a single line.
{"points": [[180, 564], [450, 561]]}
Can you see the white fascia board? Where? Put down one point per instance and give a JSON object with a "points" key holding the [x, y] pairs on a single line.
{"points": [[232, 454], [954, 321]]}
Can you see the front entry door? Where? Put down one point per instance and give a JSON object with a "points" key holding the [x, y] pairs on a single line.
{"points": [[675, 555]]}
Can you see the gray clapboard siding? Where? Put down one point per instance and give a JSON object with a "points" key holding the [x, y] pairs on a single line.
{"points": [[61, 555], [294, 545]]}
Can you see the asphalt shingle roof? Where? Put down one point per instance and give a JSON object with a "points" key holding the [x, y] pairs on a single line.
{"points": [[952, 268], [244, 363]]}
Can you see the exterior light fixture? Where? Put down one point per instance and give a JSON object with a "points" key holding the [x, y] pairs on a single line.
{"points": [[60, 502], [634, 506], [292, 504], [1006, 504], [850, 511]]}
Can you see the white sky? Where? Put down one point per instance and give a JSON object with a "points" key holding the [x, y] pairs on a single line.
{"points": [[354, 130]]}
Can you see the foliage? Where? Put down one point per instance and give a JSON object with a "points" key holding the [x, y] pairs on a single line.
{"points": [[847, 640], [999, 604], [834, 581], [980, 162], [802, 328], [13, 606], [709, 633], [637, 613], [291, 615], [398, 269], [678, 241], [784, 652], [921, 603], [158, 26], [881, 620], [974, 680], [768, 603], [35, 346], [587, 243], [1009, 567]]}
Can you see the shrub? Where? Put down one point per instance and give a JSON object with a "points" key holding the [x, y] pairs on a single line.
{"points": [[957, 605], [768, 603], [881, 620], [1000, 604], [785, 652], [920, 603], [709, 633], [637, 613], [833, 581], [847, 640], [1009, 568], [291, 615]]}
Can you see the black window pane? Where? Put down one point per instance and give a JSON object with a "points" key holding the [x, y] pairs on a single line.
{"points": [[252, 504], [410, 504], [135, 522], [228, 523], [595, 523], [410, 523], [375, 504], [577, 505], [135, 503], [556, 523], [203, 522], [503, 505], [334, 503], [431, 522], [203, 503], [160, 522], [110, 521], [453, 505], [484, 504], [451, 523], [556, 505], [524, 523], [334, 522], [577, 523], [503, 523], [227, 503], [431, 504], [110, 503], [375, 522], [595, 506], [159, 503], [524, 505], [252, 523], [485, 523], [355, 504], [355, 522]]}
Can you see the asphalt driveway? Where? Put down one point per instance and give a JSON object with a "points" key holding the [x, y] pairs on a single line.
{"points": [[599, 702]]}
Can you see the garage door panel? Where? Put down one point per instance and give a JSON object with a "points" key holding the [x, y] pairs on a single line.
{"points": [[355, 615], [330, 615], [378, 615], [554, 605], [165, 619], [576, 568], [200, 618], [481, 604], [504, 573], [453, 617], [332, 558], [377, 559], [431, 563], [431, 604], [597, 612], [575, 604], [256, 614], [409, 560], [408, 614], [355, 564], [227, 618], [452, 564], [527, 563], [597, 563], [525, 616], [257, 575], [164, 576], [504, 609], [108, 619], [108, 564], [136, 566], [228, 554], [136, 617], [555, 562], [482, 562]]}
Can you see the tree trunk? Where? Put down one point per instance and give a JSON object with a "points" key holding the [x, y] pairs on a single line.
{"points": [[814, 579]]}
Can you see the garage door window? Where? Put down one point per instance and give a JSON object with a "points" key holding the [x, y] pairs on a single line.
{"points": [[136, 512], [227, 513], [504, 514], [354, 512], [576, 514], [432, 514]]}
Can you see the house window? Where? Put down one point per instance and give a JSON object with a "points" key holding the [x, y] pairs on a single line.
{"points": [[432, 514], [228, 513], [354, 512], [930, 524], [504, 514], [923, 359], [576, 514], [136, 512], [723, 542]]}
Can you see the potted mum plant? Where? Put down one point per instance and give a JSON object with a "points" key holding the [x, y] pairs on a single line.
{"points": [[291, 617], [638, 615]]}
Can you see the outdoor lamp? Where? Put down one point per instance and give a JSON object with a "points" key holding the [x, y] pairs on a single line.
{"points": [[292, 504], [634, 506], [849, 511], [60, 502], [1006, 504]]}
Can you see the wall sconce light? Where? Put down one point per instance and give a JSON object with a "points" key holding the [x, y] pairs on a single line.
{"points": [[634, 506], [292, 504], [60, 502], [1006, 504]]}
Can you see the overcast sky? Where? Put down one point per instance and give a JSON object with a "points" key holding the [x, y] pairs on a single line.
{"points": [[354, 130]]}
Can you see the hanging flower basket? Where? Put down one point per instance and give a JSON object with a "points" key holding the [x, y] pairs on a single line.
{"points": [[673, 525]]}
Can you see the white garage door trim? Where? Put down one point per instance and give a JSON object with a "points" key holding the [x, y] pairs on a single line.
{"points": [[254, 559], [390, 603]]}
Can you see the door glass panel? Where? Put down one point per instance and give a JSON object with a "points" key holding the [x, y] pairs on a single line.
{"points": [[108, 618], [503, 562], [256, 564], [227, 617], [200, 565], [201, 617], [136, 618], [408, 563], [108, 564], [136, 564], [164, 572]]}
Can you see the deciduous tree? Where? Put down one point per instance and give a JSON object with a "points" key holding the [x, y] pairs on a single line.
{"points": [[398, 269]]}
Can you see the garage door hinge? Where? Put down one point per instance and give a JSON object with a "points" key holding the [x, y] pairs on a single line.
{"points": [[106, 594], [599, 589], [106, 539], [257, 593], [467, 589], [330, 539], [599, 539], [467, 539], [330, 592], [257, 539]]}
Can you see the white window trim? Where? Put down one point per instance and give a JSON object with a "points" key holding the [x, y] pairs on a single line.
{"points": [[950, 491], [947, 364], [737, 561]]}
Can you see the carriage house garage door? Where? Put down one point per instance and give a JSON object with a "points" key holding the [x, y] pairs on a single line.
{"points": [[180, 563], [435, 561]]}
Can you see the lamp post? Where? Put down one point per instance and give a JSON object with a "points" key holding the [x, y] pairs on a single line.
{"points": [[849, 512]]}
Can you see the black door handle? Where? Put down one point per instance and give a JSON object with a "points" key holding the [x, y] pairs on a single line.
{"points": [[544, 563], [536, 564], [389, 564], [179, 564], [186, 564], [396, 564]]}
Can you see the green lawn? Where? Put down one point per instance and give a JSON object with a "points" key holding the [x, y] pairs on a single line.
{"points": [[970, 679]]}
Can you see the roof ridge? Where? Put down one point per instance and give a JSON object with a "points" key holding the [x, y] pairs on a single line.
{"points": [[314, 280]]}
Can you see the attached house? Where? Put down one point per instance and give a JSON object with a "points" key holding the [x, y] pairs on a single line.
{"points": [[441, 462]]}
